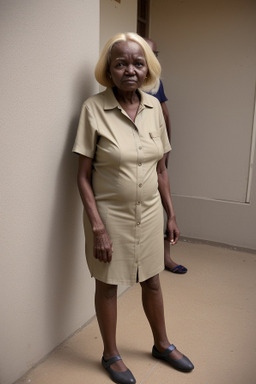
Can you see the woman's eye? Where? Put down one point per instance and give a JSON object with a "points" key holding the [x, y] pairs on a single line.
{"points": [[120, 65], [139, 64]]}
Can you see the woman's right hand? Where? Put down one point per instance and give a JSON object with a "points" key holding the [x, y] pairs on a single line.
{"points": [[102, 246]]}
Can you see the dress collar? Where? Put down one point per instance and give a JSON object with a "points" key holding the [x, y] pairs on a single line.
{"points": [[110, 102]]}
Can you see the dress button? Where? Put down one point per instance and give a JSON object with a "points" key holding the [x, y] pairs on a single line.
{"points": [[138, 202], [138, 223], [140, 147], [140, 185], [140, 164]]}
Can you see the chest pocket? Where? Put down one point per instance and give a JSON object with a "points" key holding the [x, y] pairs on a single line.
{"points": [[155, 137]]}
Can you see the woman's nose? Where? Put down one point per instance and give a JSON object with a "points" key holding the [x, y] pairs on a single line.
{"points": [[130, 69]]}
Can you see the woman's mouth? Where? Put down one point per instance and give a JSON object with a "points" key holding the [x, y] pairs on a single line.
{"points": [[130, 80]]}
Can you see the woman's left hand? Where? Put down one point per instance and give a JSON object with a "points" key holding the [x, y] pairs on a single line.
{"points": [[172, 230]]}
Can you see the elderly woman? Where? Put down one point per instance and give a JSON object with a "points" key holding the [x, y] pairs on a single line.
{"points": [[122, 179]]}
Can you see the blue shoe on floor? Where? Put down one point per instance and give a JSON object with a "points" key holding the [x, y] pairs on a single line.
{"points": [[179, 269]]}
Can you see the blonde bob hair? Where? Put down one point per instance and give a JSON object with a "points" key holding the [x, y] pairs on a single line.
{"points": [[151, 82]]}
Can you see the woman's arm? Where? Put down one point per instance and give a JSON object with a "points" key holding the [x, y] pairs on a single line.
{"points": [[102, 243], [168, 128], [167, 120], [172, 230]]}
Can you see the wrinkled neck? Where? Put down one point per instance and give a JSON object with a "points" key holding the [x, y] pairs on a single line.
{"points": [[129, 97]]}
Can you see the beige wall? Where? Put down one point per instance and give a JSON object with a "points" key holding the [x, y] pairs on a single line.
{"points": [[207, 50], [48, 52], [117, 17]]}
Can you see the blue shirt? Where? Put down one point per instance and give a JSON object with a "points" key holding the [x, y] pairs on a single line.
{"points": [[160, 95]]}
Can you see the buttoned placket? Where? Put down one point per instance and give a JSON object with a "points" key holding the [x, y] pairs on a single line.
{"points": [[139, 184], [139, 181]]}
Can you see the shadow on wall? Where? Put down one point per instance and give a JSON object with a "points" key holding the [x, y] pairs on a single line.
{"points": [[67, 280]]}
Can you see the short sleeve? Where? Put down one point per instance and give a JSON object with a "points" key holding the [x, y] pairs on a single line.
{"points": [[87, 133], [160, 94]]}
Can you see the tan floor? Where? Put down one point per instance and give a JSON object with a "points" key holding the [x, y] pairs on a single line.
{"points": [[211, 317]]}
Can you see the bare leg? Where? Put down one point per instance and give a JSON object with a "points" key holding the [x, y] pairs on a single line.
{"points": [[152, 300], [106, 311], [168, 262]]}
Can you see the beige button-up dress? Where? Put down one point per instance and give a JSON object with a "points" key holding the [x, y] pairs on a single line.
{"points": [[125, 185]]}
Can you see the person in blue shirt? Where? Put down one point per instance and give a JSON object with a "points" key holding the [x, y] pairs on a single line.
{"points": [[170, 265]]}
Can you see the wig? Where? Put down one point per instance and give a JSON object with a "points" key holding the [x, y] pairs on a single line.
{"points": [[151, 82]]}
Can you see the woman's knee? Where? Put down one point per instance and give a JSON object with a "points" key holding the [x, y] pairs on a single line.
{"points": [[152, 284], [107, 291]]}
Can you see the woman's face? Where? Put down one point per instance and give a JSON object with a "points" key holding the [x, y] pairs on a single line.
{"points": [[128, 67]]}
